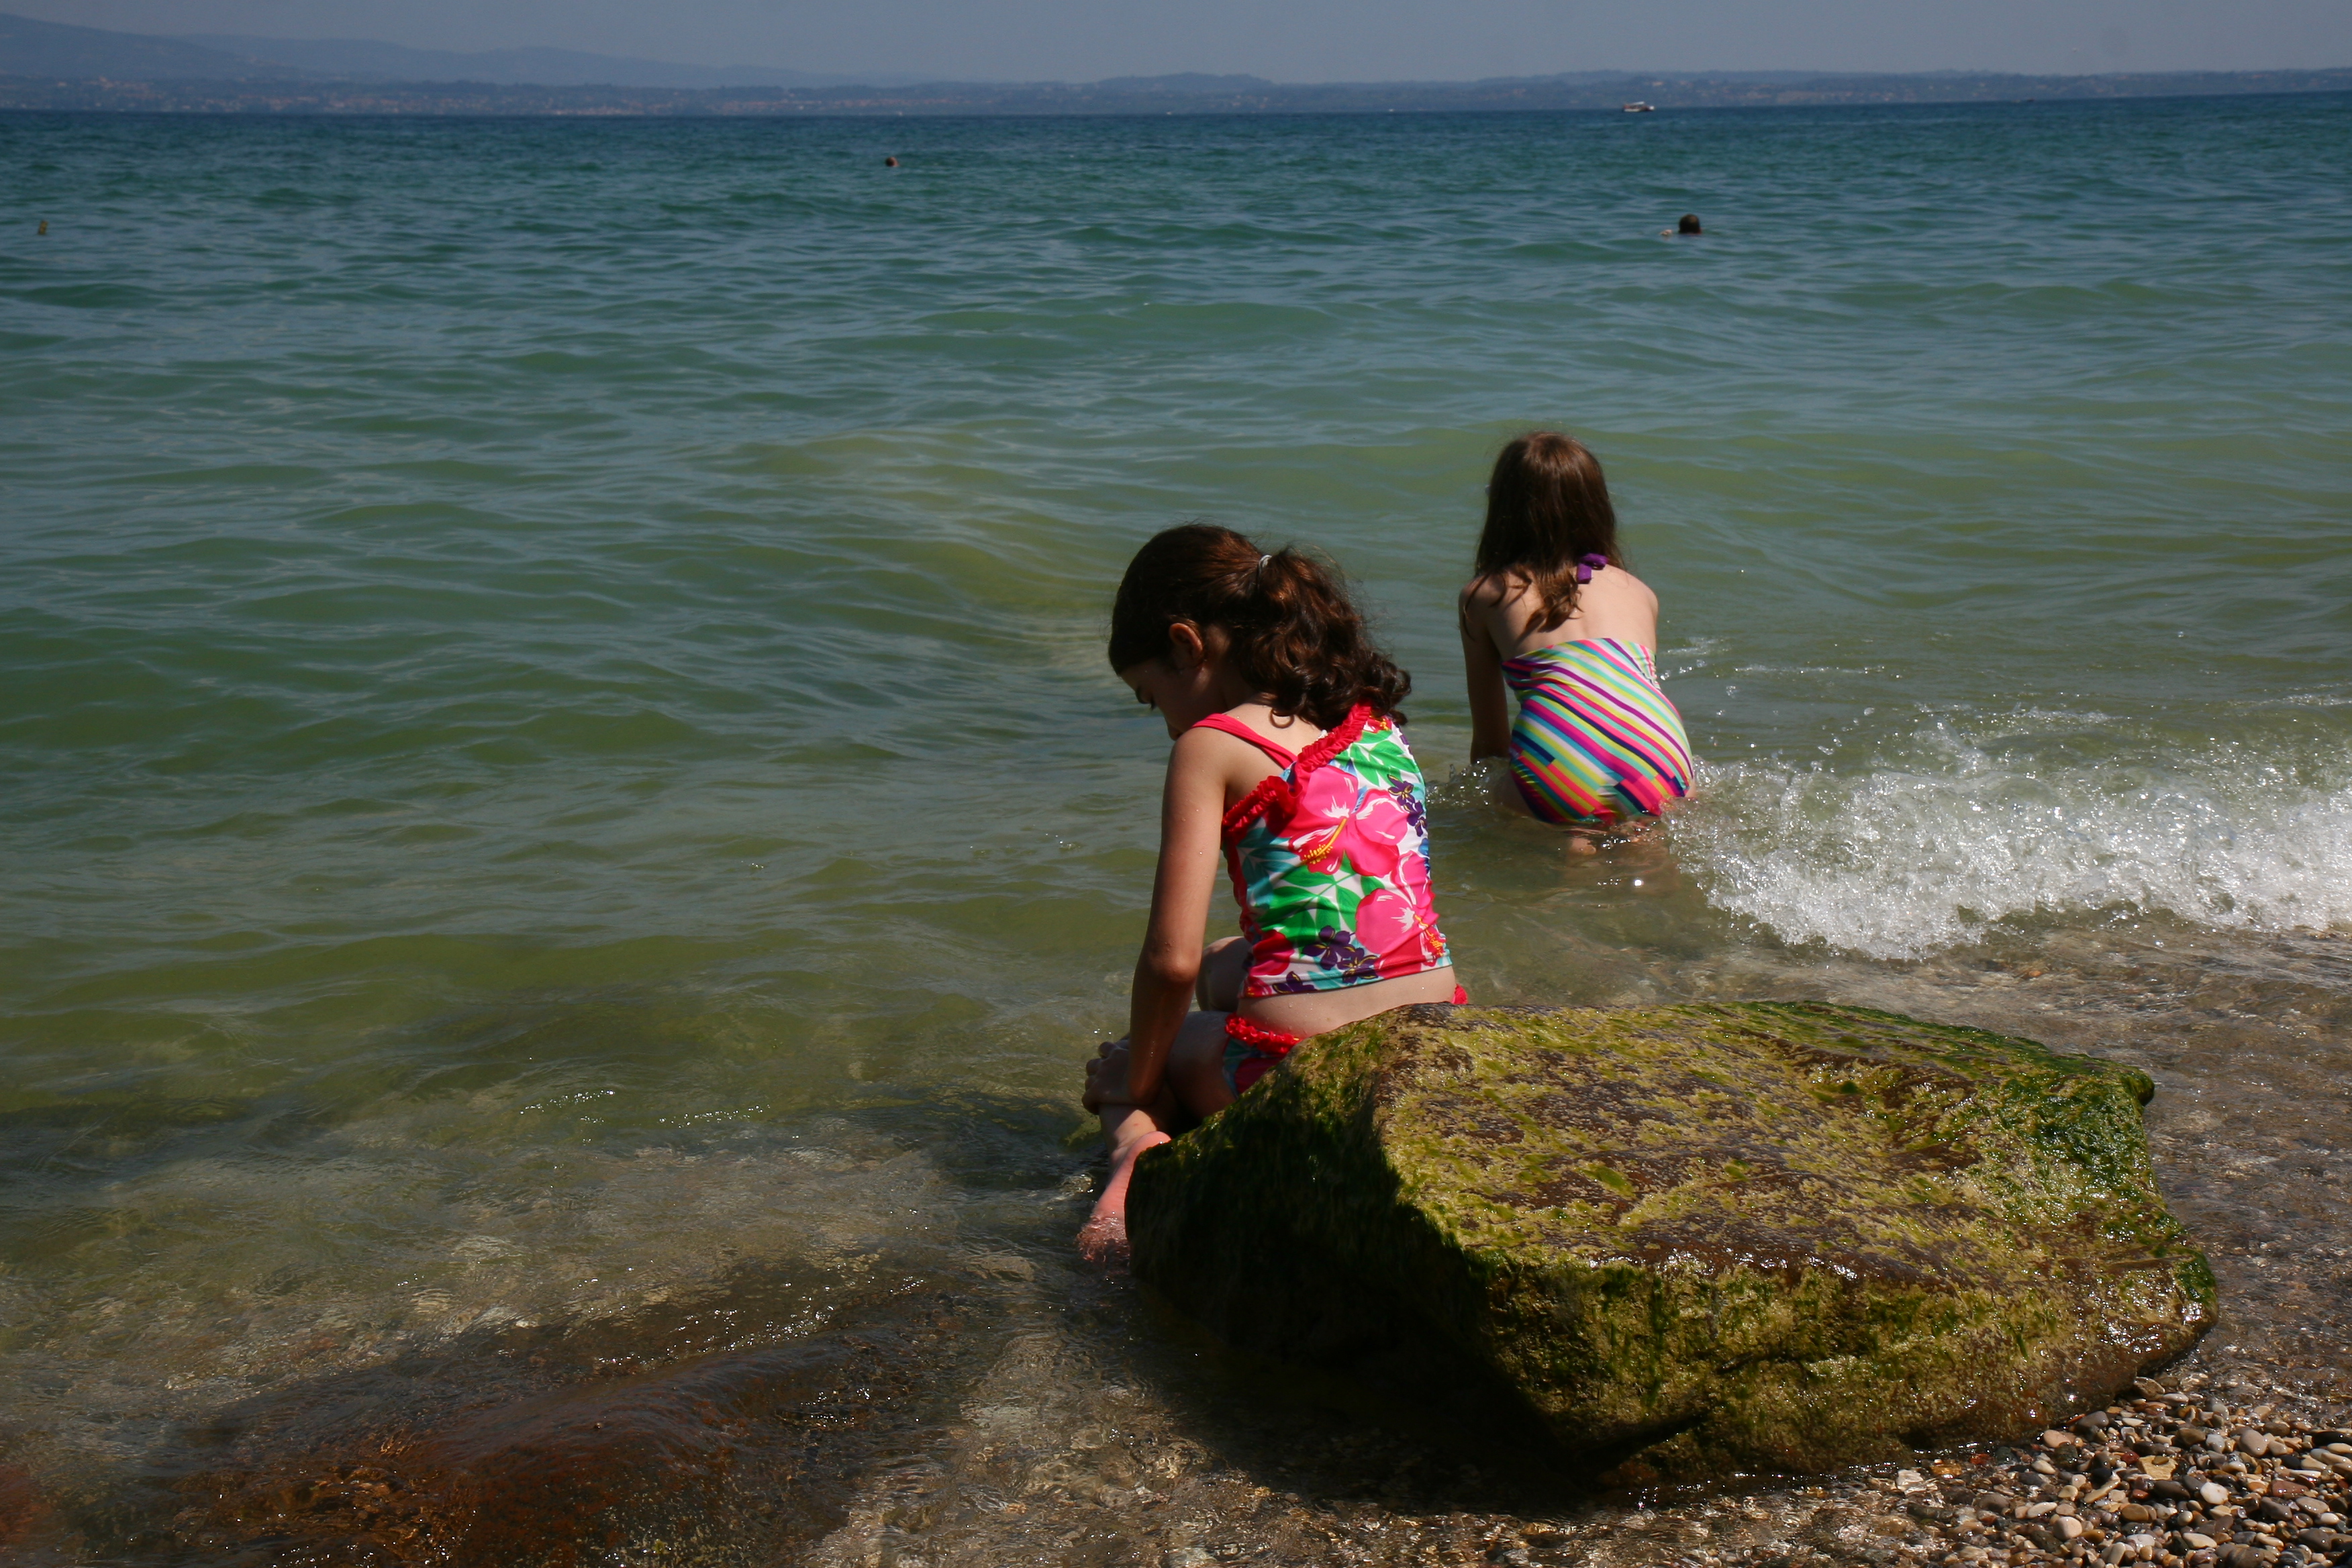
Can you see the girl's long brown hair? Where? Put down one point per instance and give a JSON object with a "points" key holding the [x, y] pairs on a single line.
{"points": [[1295, 636], [1547, 508]]}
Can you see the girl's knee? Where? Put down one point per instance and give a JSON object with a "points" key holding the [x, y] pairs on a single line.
{"points": [[1503, 793], [1224, 967], [1196, 1065]]}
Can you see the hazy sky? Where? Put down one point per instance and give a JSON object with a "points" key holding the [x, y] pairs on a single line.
{"points": [[1308, 40]]}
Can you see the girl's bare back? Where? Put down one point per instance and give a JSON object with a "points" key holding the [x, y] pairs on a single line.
{"points": [[1507, 608]]}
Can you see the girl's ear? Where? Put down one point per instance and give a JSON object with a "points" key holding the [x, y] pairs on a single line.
{"points": [[1185, 650]]}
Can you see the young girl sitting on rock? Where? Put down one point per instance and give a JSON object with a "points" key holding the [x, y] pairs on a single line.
{"points": [[1554, 615], [1289, 766]]}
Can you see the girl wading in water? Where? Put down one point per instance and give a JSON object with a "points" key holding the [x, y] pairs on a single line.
{"points": [[1554, 615], [1291, 769]]}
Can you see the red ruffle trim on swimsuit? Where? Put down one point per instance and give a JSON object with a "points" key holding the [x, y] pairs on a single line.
{"points": [[1275, 1043], [1257, 1037], [1275, 792]]}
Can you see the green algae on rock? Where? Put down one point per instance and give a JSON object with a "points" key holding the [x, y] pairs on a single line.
{"points": [[1688, 1240]]}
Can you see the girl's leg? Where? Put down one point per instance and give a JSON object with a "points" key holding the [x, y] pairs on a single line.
{"points": [[1224, 967], [1196, 1063], [1503, 791], [1196, 1082], [1127, 1130]]}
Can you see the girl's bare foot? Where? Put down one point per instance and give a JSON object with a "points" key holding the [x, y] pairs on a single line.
{"points": [[1103, 1239]]}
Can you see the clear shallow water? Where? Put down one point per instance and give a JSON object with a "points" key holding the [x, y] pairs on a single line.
{"points": [[559, 782]]}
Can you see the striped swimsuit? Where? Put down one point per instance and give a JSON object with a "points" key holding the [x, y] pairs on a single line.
{"points": [[1596, 741]]}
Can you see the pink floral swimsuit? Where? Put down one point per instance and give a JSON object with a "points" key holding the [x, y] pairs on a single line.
{"points": [[1329, 860]]}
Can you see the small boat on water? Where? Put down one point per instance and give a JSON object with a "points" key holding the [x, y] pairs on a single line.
{"points": [[1639, 107]]}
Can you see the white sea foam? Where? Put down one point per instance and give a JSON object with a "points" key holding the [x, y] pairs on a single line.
{"points": [[1904, 860]]}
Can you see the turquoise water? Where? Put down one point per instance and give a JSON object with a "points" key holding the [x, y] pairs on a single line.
{"points": [[556, 755]]}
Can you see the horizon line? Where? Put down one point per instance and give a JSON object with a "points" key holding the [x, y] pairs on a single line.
{"points": [[228, 45]]}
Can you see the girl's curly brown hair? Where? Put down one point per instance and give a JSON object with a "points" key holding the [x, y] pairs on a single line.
{"points": [[1295, 636]]}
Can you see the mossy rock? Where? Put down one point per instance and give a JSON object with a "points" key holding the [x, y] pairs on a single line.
{"points": [[1687, 1241]]}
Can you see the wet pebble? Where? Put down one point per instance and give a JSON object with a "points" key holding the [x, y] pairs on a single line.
{"points": [[2134, 1492], [2133, 1483]]}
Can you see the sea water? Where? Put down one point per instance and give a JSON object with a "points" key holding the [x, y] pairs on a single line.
{"points": [[565, 817]]}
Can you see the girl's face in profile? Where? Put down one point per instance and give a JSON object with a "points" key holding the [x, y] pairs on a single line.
{"points": [[1174, 692], [1187, 683]]}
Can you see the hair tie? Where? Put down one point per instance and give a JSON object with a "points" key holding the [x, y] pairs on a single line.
{"points": [[1586, 565], [1262, 561]]}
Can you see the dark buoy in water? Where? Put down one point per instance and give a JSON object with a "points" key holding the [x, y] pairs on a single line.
{"points": [[890, 163]]}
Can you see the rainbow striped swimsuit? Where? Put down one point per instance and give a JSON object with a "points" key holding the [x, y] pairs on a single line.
{"points": [[1596, 740]]}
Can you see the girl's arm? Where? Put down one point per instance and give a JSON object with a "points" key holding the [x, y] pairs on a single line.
{"points": [[1490, 703], [1190, 806]]}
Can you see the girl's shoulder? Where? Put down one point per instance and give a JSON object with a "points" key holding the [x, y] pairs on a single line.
{"points": [[1490, 590], [1500, 604], [1619, 581], [1497, 600]]}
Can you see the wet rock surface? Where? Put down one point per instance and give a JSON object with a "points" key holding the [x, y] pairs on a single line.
{"points": [[1687, 1241]]}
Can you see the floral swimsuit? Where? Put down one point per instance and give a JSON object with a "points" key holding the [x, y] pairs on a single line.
{"points": [[1329, 859]]}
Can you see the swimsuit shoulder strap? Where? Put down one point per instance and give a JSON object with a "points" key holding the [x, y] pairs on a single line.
{"points": [[1283, 756], [1277, 794]]}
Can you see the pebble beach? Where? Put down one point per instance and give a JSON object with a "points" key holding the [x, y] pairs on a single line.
{"points": [[2192, 1472]]}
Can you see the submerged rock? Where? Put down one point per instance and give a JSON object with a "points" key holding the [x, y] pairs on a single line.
{"points": [[22, 1505], [560, 1445], [1688, 1240]]}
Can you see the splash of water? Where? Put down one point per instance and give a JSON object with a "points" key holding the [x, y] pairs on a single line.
{"points": [[1956, 836]]}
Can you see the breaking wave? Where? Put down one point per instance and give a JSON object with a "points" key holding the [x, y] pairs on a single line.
{"points": [[1934, 849]]}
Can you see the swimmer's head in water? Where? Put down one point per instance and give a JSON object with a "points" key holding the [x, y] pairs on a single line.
{"points": [[1548, 514], [893, 163], [1688, 225]]}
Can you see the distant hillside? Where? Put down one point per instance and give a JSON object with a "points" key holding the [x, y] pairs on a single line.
{"points": [[53, 49], [1670, 94], [48, 65], [368, 59], [59, 52]]}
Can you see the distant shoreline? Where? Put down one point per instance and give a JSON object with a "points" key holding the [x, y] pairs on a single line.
{"points": [[1134, 96]]}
